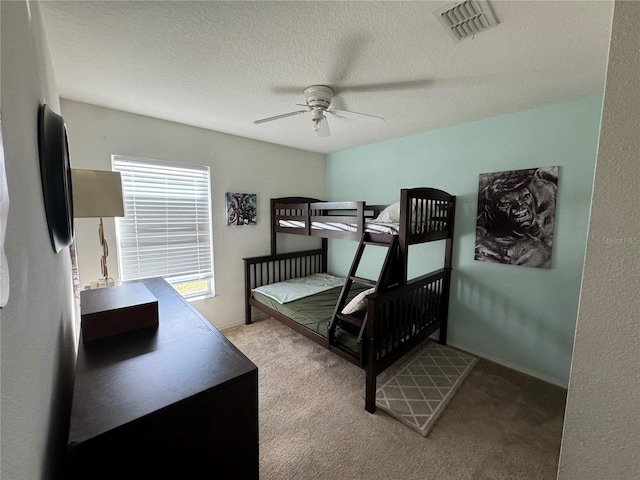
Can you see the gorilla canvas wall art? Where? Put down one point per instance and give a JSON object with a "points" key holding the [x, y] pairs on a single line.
{"points": [[516, 213]]}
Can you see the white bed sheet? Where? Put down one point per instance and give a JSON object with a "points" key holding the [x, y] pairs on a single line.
{"points": [[370, 226]]}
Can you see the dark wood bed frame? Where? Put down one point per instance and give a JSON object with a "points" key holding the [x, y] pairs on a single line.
{"points": [[397, 318]]}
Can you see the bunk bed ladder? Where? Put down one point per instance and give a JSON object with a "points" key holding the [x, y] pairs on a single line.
{"points": [[390, 275]]}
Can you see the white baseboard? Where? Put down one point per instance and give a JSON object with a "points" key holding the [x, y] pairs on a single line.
{"points": [[237, 323], [544, 378], [224, 326]]}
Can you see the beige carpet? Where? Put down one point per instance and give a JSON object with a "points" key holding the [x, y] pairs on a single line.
{"points": [[500, 425], [423, 385]]}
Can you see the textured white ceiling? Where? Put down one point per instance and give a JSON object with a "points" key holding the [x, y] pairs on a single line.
{"points": [[222, 65]]}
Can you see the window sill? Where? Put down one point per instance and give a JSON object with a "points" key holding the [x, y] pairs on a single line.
{"points": [[199, 297]]}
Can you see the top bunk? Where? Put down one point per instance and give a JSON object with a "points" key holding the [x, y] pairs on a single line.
{"points": [[422, 215]]}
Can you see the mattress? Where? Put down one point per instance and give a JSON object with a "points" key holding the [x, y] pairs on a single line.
{"points": [[315, 311], [370, 227]]}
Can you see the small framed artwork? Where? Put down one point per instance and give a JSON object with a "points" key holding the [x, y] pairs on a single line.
{"points": [[241, 208], [516, 216]]}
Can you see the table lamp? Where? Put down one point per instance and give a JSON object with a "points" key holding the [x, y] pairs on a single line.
{"points": [[98, 193]]}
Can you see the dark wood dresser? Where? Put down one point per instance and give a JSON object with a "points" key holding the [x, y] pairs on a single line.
{"points": [[179, 401]]}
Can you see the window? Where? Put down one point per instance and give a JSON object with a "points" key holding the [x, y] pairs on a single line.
{"points": [[166, 230]]}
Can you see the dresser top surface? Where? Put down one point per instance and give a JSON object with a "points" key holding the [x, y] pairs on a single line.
{"points": [[129, 376]]}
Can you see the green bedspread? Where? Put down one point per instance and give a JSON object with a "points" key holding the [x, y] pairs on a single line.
{"points": [[314, 312]]}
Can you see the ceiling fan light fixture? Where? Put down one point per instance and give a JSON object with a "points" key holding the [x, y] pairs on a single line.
{"points": [[322, 127], [317, 115]]}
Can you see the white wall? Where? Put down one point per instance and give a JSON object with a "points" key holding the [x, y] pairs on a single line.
{"points": [[37, 325], [237, 165], [601, 437]]}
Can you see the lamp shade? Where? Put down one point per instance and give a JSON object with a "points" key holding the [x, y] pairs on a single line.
{"points": [[96, 193]]}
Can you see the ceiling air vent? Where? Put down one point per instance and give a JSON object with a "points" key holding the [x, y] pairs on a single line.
{"points": [[466, 19]]}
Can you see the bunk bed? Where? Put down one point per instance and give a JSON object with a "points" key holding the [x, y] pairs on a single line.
{"points": [[370, 322]]}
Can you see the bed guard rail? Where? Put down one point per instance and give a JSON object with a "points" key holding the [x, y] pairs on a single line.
{"points": [[399, 319], [406, 314], [267, 269]]}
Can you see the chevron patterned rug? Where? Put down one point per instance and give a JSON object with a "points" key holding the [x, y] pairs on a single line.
{"points": [[422, 387]]}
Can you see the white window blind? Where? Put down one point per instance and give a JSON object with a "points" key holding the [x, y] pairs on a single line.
{"points": [[166, 230]]}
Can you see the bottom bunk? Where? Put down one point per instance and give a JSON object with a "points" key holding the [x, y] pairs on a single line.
{"points": [[314, 312], [391, 322]]}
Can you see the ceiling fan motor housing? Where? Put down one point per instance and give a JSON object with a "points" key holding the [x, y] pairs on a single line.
{"points": [[319, 99], [318, 96]]}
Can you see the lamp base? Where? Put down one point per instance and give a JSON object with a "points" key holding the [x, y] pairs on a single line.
{"points": [[103, 283]]}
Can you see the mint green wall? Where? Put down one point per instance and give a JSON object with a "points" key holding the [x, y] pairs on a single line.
{"points": [[518, 316]]}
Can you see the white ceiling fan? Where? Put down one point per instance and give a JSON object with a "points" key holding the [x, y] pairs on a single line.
{"points": [[318, 98]]}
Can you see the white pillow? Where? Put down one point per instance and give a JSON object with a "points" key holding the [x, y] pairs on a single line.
{"points": [[357, 303], [391, 214]]}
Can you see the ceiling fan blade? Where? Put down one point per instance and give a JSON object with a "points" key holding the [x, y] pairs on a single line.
{"points": [[278, 117], [349, 114], [347, 57], [323, 128], [379, 87], [365, 87]]}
